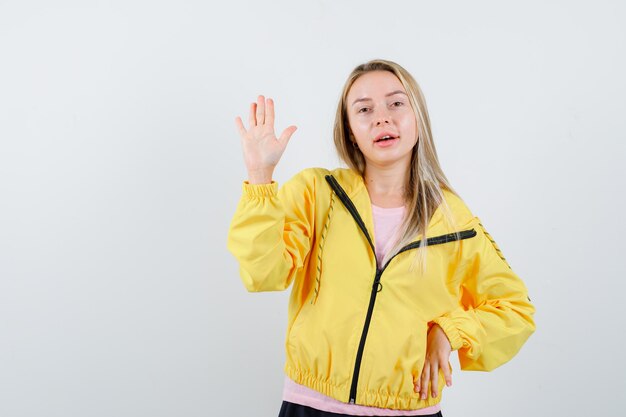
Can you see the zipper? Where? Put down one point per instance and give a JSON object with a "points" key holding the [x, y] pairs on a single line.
{"points": [[350, 206], [377, 286]]}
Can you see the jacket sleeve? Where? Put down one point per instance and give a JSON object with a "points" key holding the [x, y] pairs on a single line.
{"points": [[271, 231], [495, 316]]}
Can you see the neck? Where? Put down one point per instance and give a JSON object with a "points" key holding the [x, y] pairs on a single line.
{"points": [[386, 185]]}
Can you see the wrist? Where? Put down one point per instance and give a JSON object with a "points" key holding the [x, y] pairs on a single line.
{"points": [[262, 176]]}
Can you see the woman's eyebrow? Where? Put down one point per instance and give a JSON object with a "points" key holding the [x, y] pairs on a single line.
{"points": [[358, 100], [395, 92]]}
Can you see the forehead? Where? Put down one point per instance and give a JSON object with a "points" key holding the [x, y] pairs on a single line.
{"points": [[374, 84]]}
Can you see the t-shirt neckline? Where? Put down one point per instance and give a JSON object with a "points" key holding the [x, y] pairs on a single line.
{"points": [[388, 210]]}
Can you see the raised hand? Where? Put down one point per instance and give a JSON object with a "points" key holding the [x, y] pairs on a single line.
{"points": [[261, 148]]}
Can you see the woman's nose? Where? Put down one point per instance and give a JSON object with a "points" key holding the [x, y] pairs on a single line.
{"points": [[382, 118]]}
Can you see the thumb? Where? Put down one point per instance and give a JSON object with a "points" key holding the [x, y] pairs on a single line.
{"points": [[286, 135]]}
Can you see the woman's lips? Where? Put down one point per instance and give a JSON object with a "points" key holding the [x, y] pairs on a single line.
{"points": [[386, 143]]}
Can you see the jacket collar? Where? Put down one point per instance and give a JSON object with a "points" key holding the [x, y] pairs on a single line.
{"points": [[351, 181], [353, 184]]}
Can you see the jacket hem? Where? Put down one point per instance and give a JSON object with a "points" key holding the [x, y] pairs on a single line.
{"points": [[372, 398]]}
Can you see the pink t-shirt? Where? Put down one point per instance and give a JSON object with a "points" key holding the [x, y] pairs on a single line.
{"points": [[386, 223]]}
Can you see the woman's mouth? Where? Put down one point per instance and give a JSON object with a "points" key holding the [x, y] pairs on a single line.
{"points": [[386, 140]]}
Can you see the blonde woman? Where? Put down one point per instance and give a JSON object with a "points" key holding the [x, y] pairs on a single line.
{"points": [[390, 271]]}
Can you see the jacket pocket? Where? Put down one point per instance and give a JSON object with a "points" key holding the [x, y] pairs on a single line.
{"points": [[297, 323]]}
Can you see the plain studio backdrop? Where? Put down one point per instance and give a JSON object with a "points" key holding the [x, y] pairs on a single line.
{"points": [[120, 170]]}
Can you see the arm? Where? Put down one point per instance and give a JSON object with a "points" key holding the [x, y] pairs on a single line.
{"points": [[271, 232], [495, 316]]}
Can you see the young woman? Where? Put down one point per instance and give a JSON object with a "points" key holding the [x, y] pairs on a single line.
{"points": [[390, 269]]}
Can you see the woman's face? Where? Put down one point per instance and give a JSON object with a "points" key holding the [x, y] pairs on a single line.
{"points": [[381, 119]]}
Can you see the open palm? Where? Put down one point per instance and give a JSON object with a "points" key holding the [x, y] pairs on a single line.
{"points": [[261, 148]]}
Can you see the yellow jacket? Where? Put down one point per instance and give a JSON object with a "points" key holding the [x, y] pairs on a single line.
{"points": [[357, 331]]}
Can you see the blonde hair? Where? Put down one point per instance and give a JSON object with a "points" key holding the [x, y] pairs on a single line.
{"points": [[426, 182]]}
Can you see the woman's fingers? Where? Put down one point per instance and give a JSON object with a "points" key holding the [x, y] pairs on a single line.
{"points": [[261, 120], [429, 378], [424, 381], [286, 135], [269, 113], [434, 379], [437, 357], [260, 110], [252, 116], [446, 372], [239, 123]]}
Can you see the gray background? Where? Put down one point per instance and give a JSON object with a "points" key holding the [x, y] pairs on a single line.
{"points": [[120, 168]]}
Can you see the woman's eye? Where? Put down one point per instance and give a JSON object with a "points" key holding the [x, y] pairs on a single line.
{"points": [[363, 109], [398, 104]]}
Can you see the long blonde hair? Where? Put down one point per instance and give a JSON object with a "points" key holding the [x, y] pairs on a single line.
{"points": [[426, 182]]}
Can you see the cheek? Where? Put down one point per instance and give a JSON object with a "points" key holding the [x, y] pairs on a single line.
{"points": [[358, 128], [409, 124]]}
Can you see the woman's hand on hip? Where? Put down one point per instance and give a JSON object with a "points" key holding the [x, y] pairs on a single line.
{"points": [[438, 350], [261, 148]]}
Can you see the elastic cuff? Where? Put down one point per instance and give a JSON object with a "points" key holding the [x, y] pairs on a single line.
{"points": [[260, 190], [448, 327]]}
